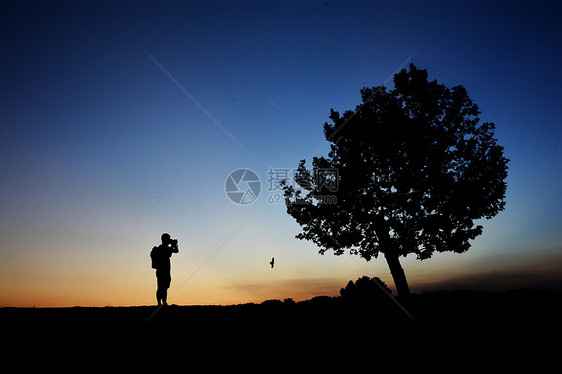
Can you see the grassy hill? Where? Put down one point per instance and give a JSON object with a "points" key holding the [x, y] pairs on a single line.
{"points": [[451, 329], [467, 311]]}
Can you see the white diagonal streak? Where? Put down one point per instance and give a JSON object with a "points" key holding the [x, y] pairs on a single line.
{"points": [[196, 102]]}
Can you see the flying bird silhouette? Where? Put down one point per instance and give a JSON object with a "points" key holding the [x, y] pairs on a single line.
{"points": [[272, 262]]}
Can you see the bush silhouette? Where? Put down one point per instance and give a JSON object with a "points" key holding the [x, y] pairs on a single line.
{"points": [[366, 290]]}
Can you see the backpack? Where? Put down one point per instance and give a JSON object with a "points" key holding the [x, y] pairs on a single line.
{"points": [[154, 257]]}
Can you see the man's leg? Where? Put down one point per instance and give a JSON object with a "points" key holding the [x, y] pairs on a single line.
{"points": [[158, 298], [165, 296], [166, 280], [160, 287]]}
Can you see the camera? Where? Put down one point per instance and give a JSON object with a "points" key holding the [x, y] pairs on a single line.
{"points": [[174, 243]]}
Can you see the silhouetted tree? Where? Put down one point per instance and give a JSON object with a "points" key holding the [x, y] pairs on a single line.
{"points": [[415, 169]]}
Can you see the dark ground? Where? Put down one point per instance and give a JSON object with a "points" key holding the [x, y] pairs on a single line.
{"points": [[513, 325]]}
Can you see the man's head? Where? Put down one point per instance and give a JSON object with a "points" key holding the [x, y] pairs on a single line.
{"points": [[166, 238]]}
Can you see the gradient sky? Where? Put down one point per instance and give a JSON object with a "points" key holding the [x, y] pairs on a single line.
{"points": [[101, 151]]}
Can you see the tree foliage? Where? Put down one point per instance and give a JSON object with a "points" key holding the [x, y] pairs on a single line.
{"points": [[415, 169]]}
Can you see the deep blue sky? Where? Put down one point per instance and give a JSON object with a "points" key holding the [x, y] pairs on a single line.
{"points": [[101, 152]]}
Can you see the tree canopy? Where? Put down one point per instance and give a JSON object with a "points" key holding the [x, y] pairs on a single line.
{"points": [[413, 169]]}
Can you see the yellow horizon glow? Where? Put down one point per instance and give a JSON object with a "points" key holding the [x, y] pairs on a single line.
{"points": [[45, 289]]}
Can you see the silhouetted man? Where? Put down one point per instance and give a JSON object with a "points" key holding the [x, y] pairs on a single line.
{"points": [[161, 262]]}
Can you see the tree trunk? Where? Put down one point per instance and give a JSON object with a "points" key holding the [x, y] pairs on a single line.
{"points": [[398, 275]]}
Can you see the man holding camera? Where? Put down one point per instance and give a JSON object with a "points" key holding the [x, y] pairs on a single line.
{"points": [[161, 262]]}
